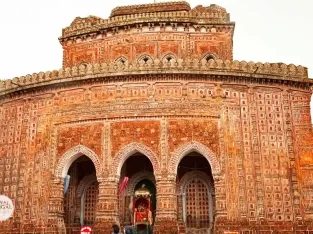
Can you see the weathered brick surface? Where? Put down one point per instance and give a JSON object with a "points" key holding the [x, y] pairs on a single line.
{"points": [[87, 135], [145, 132], [184, 131], [251, 121]]}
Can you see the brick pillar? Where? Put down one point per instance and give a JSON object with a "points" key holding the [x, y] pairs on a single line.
{"points": [[107, 207], [56, 207], [220, 215], [166, 212]]}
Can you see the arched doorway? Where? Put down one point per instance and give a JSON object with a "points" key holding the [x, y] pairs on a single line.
{"points": [[150, 185], [196, 189], [139, 169], [81, 194]]}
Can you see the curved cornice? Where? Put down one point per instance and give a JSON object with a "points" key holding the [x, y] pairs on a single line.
{"points": [[92, 24], [151, 7], [117, 70]]}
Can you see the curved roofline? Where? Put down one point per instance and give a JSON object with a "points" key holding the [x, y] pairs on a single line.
{"points": [[241, 70]]}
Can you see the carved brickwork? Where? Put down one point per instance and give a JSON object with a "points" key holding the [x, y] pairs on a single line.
{"points": [[71, 155], [126, 34], [184, 149], [233, 154], [300, 107], [188, 66], [160, 84], [145, 132], [80, 135], [130, 149]]}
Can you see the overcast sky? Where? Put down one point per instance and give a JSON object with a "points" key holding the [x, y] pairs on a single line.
{"points": [[266, 30]]}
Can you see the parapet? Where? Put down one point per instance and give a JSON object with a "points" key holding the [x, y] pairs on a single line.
{"points": [[239, 70], [149, 8], [149, 13]]}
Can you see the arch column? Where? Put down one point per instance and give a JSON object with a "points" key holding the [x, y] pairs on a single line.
{"points": [[220, 199], [166, 211], [56, 207], [56, 200], [107, 206]]}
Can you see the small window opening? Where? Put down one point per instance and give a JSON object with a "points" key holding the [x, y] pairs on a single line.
{"points": [[209, 57], [83, 64], [144, 58], [121, 60]]}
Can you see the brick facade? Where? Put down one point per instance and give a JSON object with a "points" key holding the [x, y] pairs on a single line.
{"points": [[160, 85]]}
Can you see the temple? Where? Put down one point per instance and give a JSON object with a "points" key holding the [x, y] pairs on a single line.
{"points": [[152, 123]]}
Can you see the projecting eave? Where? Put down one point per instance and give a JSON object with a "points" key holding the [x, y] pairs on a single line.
{"points": [[224, 71]]}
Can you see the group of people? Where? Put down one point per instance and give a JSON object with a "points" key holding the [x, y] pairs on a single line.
{"points": [[127, 230]]}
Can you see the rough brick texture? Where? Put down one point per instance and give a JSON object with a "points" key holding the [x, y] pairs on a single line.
{"points": [[151, 90]]}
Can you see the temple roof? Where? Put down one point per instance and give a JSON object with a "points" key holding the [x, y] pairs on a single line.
{"points": [[150, 8]]}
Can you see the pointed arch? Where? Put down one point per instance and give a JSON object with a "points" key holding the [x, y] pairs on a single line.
{"points": [[121, 59], [145, 58], [71, 155], [130, 149], [207, 57], [185, 149], [135, 179], [185, 180], [83, 184], [168, 57]]}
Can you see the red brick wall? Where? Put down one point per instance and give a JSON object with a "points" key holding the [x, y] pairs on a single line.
{"points": [[145, 132], [157, 45], [87, 135], [262, 138], [184, 131]]}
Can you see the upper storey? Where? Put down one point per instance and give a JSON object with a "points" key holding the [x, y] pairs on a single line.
{"points": [[150, 31]]}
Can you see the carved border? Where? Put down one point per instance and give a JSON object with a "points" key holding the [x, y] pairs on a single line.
{"points": [[83, 183], [187, 148], [135, 179], [184, 181], [71, 155], [130, 149]]}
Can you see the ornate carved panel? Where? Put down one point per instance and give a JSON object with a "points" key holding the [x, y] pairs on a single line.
{"points": [[145, 132], [88, 135], [184, 130]]}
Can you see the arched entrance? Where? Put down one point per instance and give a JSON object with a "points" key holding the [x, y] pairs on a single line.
{"points": [[80, 198], [139, 169], [196, 188], [75, 188]]}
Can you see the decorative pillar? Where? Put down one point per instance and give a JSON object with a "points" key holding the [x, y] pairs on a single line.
{"points": [[56, 207], [220, 199], [166, 212], [107, 207]]}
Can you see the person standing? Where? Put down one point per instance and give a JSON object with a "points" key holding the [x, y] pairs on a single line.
{"points": [[116, 229]]}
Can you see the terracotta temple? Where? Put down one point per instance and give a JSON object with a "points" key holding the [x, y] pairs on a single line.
{"points": [[151, 122]]}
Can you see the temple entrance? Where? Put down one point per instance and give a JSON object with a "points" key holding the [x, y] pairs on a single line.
{"points": [[139, 195], [196, 189], [81, 193], [151, 187]]}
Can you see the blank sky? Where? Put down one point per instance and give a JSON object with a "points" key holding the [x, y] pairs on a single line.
{"points": [[266, 30]]}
